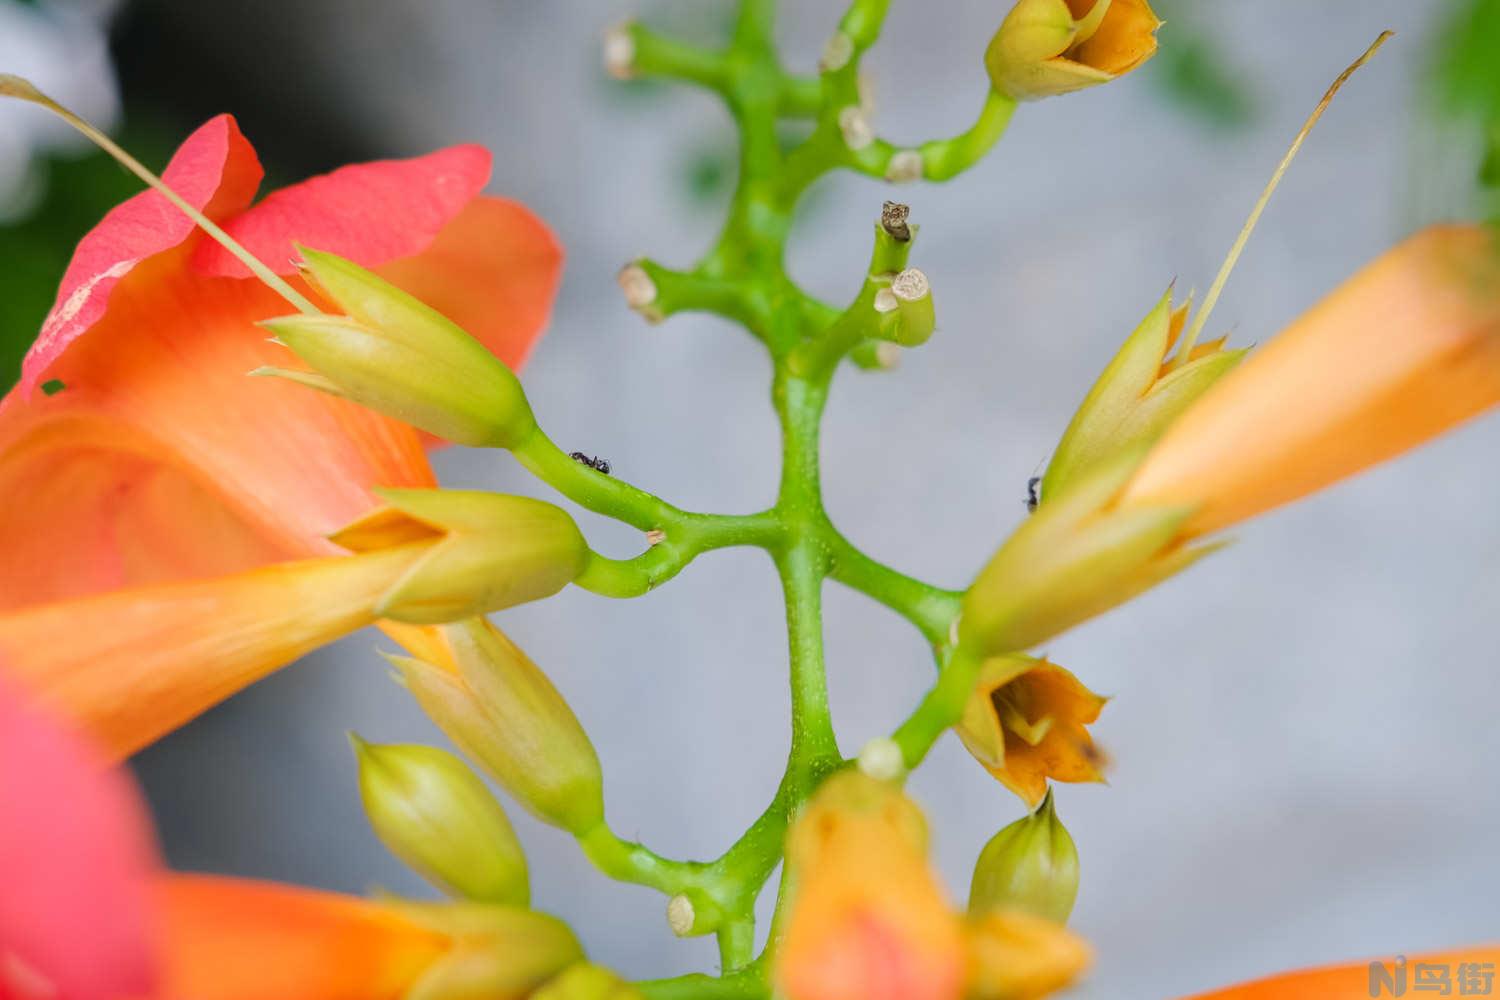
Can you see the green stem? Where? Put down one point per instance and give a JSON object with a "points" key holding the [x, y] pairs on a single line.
{"points": [[743, 277], [940, 709], [656, 55], [749, 984], [625, 861], [931, 609]]}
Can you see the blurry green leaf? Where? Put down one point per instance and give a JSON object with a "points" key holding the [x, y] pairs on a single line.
{"points": [[1196, 81], [1192, 70], [1466, 72], [709, 173], [1468, 59]]}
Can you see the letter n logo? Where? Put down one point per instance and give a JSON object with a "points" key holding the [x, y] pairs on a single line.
{"points": [[1388, 981]]}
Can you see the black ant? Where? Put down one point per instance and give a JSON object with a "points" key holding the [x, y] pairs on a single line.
{"points": [[597, 464], [1033, 493]]}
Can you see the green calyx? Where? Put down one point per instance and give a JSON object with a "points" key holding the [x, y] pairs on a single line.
{"points": [[1030, 865]]}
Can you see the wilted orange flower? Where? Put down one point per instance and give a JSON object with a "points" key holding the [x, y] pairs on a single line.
{"points": [[1049, 47], [1027, 722]]}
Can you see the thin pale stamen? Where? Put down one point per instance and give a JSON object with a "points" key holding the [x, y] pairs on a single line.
{"points": [[1209, 300], [18, 87]]}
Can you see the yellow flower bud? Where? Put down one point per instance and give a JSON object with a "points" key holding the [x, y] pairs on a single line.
{"points": [[1026, 722], [496, 551], [1076, 557], [1018, 956], [437, 816], [498, 952], [1138, 396], [502, 711], [1031, 865], [587, 981], [402, 358], [1048, 47]]}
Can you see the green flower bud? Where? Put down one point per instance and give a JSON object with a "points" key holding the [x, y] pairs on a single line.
{"points": [[498, 952], [502, 711], [1137, 397], [402, 358], [1031, 865], [587, 981], [1050, 47], [437, 816], [1075, 558], [496, 551]]}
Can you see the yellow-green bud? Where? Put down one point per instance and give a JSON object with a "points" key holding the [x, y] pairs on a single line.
{"points": [[1031, 865], [1075, 558], [437, 816], [498, 952], [1043, 49], [496, 551], [1137, 397], [504, 713], [400, 357], [587, 981]]}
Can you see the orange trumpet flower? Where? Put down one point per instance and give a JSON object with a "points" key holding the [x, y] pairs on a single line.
{"points": [[1407, 348], [135, 453]]}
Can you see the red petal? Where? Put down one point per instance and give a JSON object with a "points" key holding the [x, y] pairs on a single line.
{"points": [[215, 170], [370, 213], [76, 860]]}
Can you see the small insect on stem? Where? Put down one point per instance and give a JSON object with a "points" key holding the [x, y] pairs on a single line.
{"points": [[1033, 493], [597, 464], [893, 217]]}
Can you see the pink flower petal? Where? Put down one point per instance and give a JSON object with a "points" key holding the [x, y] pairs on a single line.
{"points": [[370, 213], [215, 170], [76, 862]]}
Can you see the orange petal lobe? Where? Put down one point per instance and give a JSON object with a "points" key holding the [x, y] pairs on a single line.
{"points": [[130, 665], [233, 939], [1362, 980]]}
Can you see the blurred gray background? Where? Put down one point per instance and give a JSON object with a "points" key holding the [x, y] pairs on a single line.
{"points": [[1303, 727]]}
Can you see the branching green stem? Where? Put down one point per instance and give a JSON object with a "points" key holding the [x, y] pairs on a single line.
{"points": [[742, 277]]}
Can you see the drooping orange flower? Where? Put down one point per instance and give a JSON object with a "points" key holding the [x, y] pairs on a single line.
{"points": [[135, 452], [869, 919], [1461, 972], [1026, 722], [1406, 349]]}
